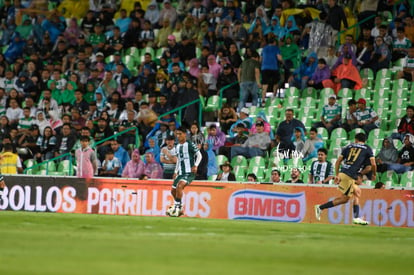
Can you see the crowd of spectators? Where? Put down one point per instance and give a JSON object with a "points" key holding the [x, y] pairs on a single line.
{"points": [[66, 78]]}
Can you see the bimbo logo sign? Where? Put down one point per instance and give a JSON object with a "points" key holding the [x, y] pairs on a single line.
{"points": [[269, 206]]}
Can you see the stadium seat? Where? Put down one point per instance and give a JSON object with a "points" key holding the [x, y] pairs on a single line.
{"points": [[400, 84], [364, 93], [407, 179], [239, 172], [240, 161], [257, 161], [324, 133], [325, 93], [292, 92], [50, 166], [291, 102], [66, 168], [390, 178], [212, 104], [310, 92], [382, 83], [354, 132], [295, 163], [28, 164], [383, 74], [346, 93], [220, 159], [340, 133]]}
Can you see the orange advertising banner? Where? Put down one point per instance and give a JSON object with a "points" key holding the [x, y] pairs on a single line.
{"points": [[287, 203]]}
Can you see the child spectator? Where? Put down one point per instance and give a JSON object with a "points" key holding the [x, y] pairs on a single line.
{"points": [[86, 159], [110, 165]]}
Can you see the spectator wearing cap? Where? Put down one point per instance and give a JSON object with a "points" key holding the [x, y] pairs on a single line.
{"points": [[168, 11], [331, 115], [244, 119], [256, 145], [345, 75], [249, 79], [405, 161], [226, 173], [366, 117], [227, 77], [169, 157], [161, 39], [175, 59]]}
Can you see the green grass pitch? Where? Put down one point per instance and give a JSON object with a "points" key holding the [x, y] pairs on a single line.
{"points": [[50, 243]]}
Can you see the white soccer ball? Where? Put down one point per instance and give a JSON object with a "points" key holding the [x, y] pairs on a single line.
{"points": [[171, 211]]}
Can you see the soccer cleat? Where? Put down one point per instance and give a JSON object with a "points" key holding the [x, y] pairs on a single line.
{"points": [[318, 212], [360, 221]]}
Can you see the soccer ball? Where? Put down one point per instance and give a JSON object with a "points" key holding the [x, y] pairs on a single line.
{"points": [[171, 211]]}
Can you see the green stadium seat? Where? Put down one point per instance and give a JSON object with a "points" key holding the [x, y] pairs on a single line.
{"points": [[354, 132], [220, 159], [30, 163], [324, 95], [239, 172], [399, 103], [383, 83], [346, 93], [212, 104], [383, 74], [257, 161], [292, 92], [134, 52], [291, 102], [310, 92], [240, 161], [390, 178], [364, 93], [340, 133], [324, 133], [407, 179], [308, 102], [400, 84], [50, 166], [66, 167]]}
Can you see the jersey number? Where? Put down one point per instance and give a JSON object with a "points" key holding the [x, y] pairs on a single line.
{"points": [[353, 154]]}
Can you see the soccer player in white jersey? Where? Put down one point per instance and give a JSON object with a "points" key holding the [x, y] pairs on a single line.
{"points": [[188, 159]]}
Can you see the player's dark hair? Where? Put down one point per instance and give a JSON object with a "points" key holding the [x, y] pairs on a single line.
{"points": [[181, 129], [411, 107], [361, 137], [313, 129], [323, 150], [352, 102], [379, 185]]}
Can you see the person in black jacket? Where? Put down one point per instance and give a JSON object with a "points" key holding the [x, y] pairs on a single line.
{"points": [[226, 173], [228, 76]]}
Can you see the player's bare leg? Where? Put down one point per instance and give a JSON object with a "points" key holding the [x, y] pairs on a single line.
{"points": [[357, 196]]}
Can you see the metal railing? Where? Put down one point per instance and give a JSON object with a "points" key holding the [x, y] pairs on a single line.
{"points": [[70, 156], [338, 40]]}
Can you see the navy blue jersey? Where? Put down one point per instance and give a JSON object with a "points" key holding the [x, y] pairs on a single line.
{"points": [[354, 157]]}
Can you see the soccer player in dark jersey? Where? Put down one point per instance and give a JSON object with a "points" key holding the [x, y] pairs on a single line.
{"points": [[188, 159], [353, 156]]}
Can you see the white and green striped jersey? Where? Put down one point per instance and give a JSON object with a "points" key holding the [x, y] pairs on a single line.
{"points": [[365, 115], [321, 170], [329, 112], [25, 123], [186, 157]]}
